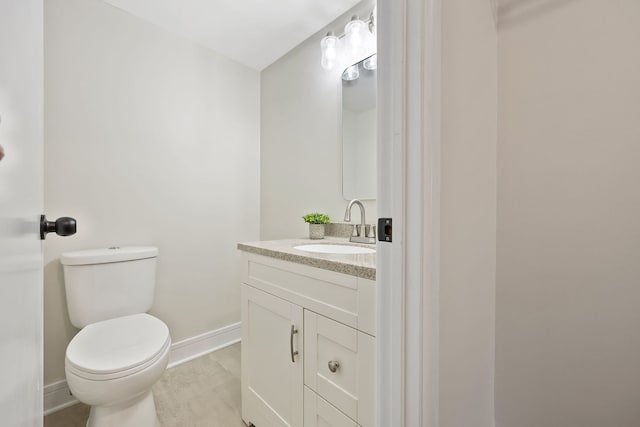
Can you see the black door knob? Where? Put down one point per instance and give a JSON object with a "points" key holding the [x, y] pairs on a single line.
{"points": [[63, 226]]}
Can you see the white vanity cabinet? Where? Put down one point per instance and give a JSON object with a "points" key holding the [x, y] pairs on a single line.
{"points": [[308, 346]]}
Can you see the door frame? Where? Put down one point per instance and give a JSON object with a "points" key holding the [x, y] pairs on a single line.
{"points": [[409, 192]]}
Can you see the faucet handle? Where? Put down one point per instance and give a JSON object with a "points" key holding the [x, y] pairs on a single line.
{"points": [[355, 230], [371, 230], [359, 230]]}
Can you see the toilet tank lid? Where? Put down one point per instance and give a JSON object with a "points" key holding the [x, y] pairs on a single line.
{"points": [[106, 255]]}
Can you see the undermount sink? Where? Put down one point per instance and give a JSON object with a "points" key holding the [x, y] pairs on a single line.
{"points": [[335, 249]]}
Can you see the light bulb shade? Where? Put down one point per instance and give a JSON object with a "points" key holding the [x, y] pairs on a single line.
{"points": [[329, 48], [351, 73], [374, 20], [354, 35], [371, 63]]}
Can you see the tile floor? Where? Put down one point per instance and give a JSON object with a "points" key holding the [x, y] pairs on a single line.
{"points": [[204, 392]]}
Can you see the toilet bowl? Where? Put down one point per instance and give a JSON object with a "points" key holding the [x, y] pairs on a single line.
{"points": [[120, 351], [112, 365]]}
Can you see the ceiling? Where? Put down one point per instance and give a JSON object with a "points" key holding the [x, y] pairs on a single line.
{"points": [[253, 32]]}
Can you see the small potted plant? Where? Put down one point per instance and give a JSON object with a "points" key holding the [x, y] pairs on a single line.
{"points": [[316, 224]]}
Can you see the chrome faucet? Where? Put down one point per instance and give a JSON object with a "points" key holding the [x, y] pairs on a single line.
{"points": [[363, 234]]}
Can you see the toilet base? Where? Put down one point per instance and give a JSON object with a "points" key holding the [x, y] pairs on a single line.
{"points": [[137, 412]]}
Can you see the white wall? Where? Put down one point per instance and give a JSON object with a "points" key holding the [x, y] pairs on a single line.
{"points": [[568, 347], [468, 214], [149, 140], [300, 137]]}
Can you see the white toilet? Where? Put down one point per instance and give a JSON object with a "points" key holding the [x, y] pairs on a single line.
{"points": [[121, 351]]}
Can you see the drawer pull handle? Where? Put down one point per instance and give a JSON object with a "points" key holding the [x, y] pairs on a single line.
{"points": [[293, 353], [333, 365]]}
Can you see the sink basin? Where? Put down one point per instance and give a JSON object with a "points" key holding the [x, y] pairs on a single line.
{"points": [[335, 249]]}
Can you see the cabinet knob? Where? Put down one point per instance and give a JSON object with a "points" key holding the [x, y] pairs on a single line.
{"points": [[333, 365]]}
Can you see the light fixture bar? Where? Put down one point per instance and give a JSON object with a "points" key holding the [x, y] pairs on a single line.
{"points": [[369, 22], [353, 38]]}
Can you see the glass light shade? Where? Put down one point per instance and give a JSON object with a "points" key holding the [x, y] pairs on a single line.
{"points": [[374, 19], [371, 63], [351, 73], [329, 48], [354, 35]]}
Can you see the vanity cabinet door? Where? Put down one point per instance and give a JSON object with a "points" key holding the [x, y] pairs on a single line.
{"points": [[319, 413], [339, 366], [272, 360]]}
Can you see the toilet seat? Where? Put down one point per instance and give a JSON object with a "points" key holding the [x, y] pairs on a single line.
{"points": [[117, 347]]}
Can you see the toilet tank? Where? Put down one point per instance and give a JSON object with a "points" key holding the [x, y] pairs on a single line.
{"points": [[103, 284]]}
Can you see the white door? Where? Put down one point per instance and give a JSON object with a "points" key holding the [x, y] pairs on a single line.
{"points": [[272, 347], [21, 201]]}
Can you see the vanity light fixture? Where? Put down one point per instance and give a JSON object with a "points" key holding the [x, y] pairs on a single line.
{"points": [[373, 21], [351, 73], [354, 34], [329, 46], [371, 63], [357, 33]]}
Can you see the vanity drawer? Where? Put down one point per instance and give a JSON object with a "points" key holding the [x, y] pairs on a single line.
{"points": [[345, 298], [339, 366], [319, 413]]}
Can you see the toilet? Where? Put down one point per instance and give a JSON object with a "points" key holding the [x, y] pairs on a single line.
{"points": [[120, 351]]}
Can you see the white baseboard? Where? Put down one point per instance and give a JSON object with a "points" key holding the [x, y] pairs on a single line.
{"points": [[185, 350], [57, 395]]}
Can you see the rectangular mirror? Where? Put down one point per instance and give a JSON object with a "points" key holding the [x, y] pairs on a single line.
{"points": [[359, 130]]}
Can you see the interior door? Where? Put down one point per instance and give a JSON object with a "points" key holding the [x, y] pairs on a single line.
{"points": [[21, 203]]}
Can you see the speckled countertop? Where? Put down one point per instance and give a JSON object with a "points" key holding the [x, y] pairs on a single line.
{"points": [[360, 265]]}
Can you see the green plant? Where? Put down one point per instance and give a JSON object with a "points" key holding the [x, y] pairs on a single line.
{"points": [[316, 218]]}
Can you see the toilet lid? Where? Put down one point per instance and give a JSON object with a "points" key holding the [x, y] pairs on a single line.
{"points": [[118, 344]]}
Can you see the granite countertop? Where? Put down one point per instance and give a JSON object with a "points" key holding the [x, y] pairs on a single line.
{"points": [[359, 265]]}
